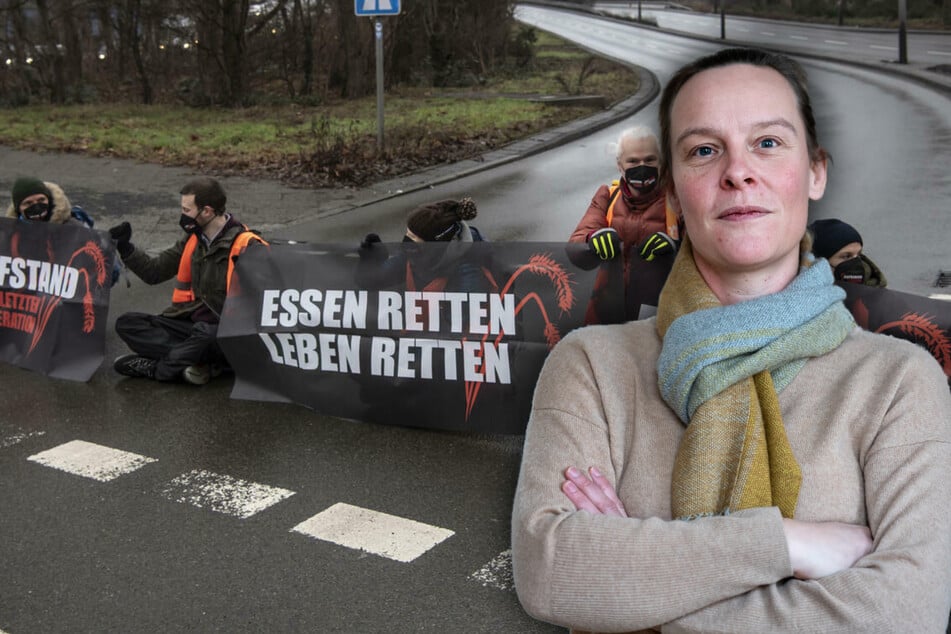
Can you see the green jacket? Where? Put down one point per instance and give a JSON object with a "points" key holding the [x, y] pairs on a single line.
{"points": [[209, 273]]}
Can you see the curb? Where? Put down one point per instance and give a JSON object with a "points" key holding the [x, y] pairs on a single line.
{"points": [[517, 150]]}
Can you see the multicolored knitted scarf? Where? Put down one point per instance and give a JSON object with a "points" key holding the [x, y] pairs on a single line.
{"points": [[720, 370]]}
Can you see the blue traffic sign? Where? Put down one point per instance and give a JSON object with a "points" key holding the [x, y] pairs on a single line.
{"points": [[377, 7]]}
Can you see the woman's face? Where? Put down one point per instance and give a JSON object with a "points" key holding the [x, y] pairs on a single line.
{"points": [[742, 177]]}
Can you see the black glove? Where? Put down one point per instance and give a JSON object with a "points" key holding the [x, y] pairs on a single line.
{"points": [[605, 243], [657, 244], [369, 240], [122, 233]]}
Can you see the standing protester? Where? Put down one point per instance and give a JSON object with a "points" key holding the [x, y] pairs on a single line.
{"points": [[841, 245], [749, 460], [180, 343]]}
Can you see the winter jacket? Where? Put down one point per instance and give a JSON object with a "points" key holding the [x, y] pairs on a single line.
{"points": [[209, 269], [62, 211]]}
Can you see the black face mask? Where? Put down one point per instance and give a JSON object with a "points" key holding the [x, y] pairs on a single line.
{"points": [[189, 225], [853, 270], [641, 178], [37, 212]]}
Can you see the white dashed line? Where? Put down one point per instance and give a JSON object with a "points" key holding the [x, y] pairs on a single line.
{"points": [[798, 37], [223, 493], [836, 42], [882, 48], [19, 437], [90, 460], [938, 53], [943, 296], [497, 573], [767, 33], [378, 533]]}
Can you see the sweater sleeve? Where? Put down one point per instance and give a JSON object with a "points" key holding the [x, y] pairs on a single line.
{"points": [[602, 573], [904, 584], [157, 269], [595, 217]]}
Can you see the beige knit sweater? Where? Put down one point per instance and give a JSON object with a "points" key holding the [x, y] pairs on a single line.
{"points": [[869, 423]]}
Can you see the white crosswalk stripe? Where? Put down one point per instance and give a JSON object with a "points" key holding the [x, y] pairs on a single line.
{"points": [[13, 439], [378, 533], [223, 493], [397, 538], [90, 460], [497, 573]]}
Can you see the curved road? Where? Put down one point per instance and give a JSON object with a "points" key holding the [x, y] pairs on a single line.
{"points": [[887, 135]]}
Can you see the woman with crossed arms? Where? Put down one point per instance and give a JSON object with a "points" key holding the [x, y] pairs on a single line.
{"points": [[748, 460]]}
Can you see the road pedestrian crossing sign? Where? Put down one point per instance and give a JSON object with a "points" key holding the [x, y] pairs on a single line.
{"points": [[377, 7]]}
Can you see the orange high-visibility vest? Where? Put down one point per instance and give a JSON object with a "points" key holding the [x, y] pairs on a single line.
{"points": [[183, 293], [673, 226]]}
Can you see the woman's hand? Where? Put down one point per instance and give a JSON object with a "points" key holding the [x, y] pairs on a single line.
{"points": [[817, 549], [594, 494]]}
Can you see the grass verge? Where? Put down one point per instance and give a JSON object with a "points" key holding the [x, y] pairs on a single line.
{"points": [[334, 144]]}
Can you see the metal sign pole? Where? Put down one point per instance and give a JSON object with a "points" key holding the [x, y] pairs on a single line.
{"points": [[378, 30], [902, 33]]}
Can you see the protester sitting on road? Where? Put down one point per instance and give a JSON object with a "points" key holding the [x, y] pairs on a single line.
{"points": [[747, 460], [438, 254], [444, 221], [630, 215], [34, 200], [841, 245], [180, 343], [632, 211]]}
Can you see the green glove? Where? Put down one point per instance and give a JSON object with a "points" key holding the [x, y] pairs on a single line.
{"points": [[605, 243], [657, 244]]}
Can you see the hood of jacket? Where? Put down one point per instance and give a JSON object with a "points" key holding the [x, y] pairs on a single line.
{"points": [[62, 208]]}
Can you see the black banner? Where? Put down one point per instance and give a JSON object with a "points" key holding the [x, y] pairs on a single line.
{"points": [[453, 336], [54, 297], [439, 335], [919, 319]]}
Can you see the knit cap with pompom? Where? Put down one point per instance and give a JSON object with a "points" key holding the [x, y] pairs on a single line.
{"points": [[439, 221]]}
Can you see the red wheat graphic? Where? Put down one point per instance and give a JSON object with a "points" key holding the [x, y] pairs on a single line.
{"points": [[49, 303], [923, 329], [538, 264]]}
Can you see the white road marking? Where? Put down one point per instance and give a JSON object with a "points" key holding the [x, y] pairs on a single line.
{"points": [[883, 48], [938, 53], [18, 437], [798, 37], [838, 42], [943, 296], [378, 533], [767, 33], [223, 493], [497, 573], [90, 460]]}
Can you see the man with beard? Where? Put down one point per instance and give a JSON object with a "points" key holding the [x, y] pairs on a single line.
{"points": [[181, 342]]}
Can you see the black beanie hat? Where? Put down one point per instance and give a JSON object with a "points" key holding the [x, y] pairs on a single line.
{"points": [[830, 235], [439, 221], [26, 187]]}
